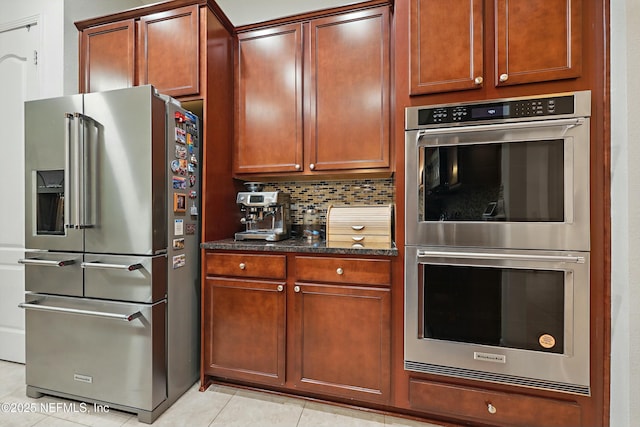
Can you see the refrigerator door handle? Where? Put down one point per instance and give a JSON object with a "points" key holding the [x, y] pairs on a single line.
{"points": [[125, 317], [84, 171], [128, 267], [45, 262], [69, 149], [76, 171]]}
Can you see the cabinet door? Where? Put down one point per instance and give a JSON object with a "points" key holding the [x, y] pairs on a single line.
{"points": [[537, 40], [169, 51], [244, 326], [349, 91], [446, 45], [269, 110], [107, 57], [341, 341]]}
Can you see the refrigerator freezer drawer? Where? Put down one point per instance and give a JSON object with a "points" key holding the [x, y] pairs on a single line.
{"points": [[125, 278], [100, 350], [53, 273]]}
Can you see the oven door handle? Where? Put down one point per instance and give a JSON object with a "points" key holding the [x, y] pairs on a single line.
{"points": [[125, 317], [567, 123], [509, 257]]}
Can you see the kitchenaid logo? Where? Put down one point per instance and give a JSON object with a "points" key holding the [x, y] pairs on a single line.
{"points": [[490, 357], [83, 378]]}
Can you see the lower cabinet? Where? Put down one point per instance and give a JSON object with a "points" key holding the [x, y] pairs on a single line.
{"points": [[244, 333], [340, 341], [491, 407], [325, 329]]}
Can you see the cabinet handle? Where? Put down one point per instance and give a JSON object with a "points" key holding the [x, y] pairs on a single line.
{"points": [[492, 409], [297, 166], [504, 77], [340, 271], [242, 266], [296, 289], [478, 80], [357, 227], [280, 288], [312, 166]]}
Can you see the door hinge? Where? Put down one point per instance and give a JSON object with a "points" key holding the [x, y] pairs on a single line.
{"points": [[35, 57]]}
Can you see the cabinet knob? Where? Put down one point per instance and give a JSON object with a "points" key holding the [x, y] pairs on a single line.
{"points": [[504, 77], [280, 288], [492, 409], [297, 166], [312, 166], [242, 266], [340, 271], [296, 289], [478, 80]]}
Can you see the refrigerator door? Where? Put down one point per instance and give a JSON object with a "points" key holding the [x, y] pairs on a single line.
{"points": [[128, 174], [125, 278], [52, 164], [53, 272], [108, 351]]}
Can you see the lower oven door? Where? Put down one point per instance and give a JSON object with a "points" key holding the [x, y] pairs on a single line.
{"points": [[99, 350], [517, 317]]}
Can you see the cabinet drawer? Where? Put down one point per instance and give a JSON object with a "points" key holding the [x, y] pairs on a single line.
{"points": [[495, 408], [343, 270], [246, 265]]}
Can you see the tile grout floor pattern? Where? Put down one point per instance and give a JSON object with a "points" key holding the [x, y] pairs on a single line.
{"points": [[219, 406]]}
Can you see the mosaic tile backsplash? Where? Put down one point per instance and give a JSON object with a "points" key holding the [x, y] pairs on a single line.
{"points": [[321, 194]]}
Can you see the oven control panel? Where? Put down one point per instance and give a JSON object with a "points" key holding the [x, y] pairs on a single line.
{"points": [[497, 110]]}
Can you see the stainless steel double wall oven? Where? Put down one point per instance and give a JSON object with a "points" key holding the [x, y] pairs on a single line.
{"points": [[497, 241]]}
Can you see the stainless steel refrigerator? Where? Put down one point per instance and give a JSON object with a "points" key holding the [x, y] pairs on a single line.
{"points": [[112, 259]]}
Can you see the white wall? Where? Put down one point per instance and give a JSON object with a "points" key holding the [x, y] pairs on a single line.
{"points": [[625, 213], [50, 13]]}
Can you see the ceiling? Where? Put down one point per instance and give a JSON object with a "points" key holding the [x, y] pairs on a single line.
{"points": [[244, 12]]}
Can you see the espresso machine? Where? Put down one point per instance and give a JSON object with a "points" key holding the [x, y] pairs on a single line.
{"points": [[266, 214]]}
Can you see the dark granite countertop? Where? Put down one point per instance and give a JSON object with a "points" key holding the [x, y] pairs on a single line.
{"points": [[302, 245]]}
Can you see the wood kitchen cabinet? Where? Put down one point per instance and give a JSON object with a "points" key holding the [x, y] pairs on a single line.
{"points": [[107, 57], [341, 328], [325, 329], [312, 97], [491, 407], [165, 53], [244, 317], [472, 43]]}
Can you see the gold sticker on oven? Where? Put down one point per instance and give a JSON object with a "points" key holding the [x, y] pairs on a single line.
{"points": [[547, 341]]}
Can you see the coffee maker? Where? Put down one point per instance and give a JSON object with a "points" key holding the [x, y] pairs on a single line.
{"points": [[266, 214]]}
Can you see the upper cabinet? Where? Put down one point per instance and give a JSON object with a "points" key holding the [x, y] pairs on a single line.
{"points": [[529, 41], [165, 53], [312, 97], [107, 57]]}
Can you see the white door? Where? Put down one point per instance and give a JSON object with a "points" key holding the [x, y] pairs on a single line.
{"points": [[19, 43]]}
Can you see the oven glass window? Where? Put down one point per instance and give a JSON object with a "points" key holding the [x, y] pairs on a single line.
{"points": [[502, 307], [511, 181]]}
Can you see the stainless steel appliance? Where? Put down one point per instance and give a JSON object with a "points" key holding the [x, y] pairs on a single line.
{"points": [[497, 241], [515, 317], [266, 214], [510, 173], [112, 254]]}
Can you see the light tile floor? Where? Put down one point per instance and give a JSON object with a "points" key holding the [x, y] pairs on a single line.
{"points": [[219, 406]]}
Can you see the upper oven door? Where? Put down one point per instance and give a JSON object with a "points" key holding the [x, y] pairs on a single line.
{"points": [[522, 185]]}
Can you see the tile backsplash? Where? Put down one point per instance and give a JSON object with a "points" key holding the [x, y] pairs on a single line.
{"points": [[321, 194]]}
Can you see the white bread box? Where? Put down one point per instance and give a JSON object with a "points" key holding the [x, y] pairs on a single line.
{"points": [[365, 225]]}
